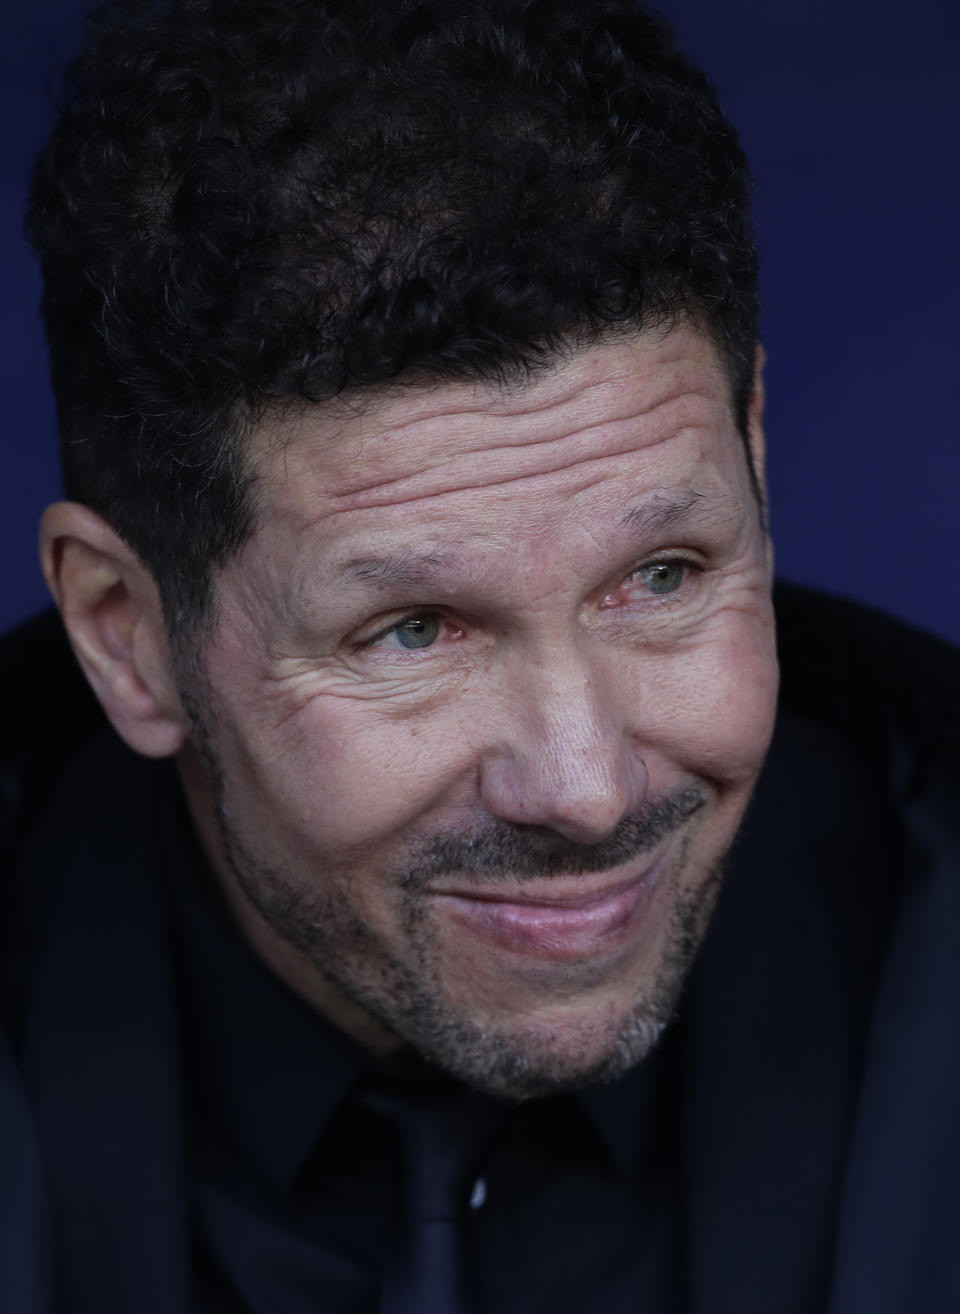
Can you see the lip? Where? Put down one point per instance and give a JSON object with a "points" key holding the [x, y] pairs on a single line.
{"points": [[585, 920]]}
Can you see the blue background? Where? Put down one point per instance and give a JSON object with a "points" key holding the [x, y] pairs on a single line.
{"points": [[849, 113]]}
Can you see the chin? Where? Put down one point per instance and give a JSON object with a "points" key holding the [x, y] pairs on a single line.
{"points": [[533, 1060]]}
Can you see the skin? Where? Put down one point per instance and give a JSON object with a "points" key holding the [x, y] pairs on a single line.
{"points": [[500, 847]]}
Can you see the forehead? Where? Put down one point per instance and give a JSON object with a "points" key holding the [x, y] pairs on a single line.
{"points": [[654, 410]]}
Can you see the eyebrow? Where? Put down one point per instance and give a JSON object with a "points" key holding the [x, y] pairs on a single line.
{"points": [[414, 570], [408, 570], [663, 509]]}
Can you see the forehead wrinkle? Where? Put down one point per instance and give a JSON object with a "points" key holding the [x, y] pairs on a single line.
{"points": [[540, 395], [417, 487], [693, 370], [530, 401], [577, 428]]}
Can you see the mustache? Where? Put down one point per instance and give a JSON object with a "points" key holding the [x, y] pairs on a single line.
{"points": [[502, 852]]}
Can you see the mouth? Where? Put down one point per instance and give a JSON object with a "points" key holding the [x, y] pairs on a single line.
{"points": [[563, 921]]}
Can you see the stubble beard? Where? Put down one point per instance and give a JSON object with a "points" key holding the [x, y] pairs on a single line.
{"points": [[407, 996]]}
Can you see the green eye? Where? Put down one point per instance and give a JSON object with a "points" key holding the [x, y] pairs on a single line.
{"points": [[663, 576], [418, 631]]}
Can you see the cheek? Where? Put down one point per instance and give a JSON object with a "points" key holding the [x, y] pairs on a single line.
{"points": [[718, 699], [343, 776]]}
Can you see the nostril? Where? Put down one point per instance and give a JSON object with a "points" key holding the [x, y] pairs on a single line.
{"points": [[580, 795]]}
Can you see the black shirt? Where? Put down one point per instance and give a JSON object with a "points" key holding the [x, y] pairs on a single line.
{"points": [[293, 1186]]}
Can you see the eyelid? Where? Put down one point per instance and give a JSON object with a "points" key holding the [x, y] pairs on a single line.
{"points": [[692, 570], [394, 624], [684, 559], [670, 557]]}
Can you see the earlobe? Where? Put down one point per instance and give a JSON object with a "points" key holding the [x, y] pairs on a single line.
{"points": [[111, 610]]}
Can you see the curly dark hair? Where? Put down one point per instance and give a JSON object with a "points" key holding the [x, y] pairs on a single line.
{"points": [[249, 204]]}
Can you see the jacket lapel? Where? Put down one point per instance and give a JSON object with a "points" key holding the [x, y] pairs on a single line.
{"points": [[26, 1242], [900, 1212], [771, 1047]]}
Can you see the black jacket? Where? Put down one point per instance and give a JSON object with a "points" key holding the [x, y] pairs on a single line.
{"points": [[821, 1028]]}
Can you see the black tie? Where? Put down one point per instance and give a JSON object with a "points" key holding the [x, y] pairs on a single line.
{"points": [[444, 1132]]}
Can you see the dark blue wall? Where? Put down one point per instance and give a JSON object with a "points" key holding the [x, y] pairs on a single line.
{"points": [[850, 115]]}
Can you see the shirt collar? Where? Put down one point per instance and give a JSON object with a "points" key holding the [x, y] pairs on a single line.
{"points": [[634, 1115]]}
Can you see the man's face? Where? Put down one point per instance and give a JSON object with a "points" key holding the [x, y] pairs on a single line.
{"points": [[488, 694]]}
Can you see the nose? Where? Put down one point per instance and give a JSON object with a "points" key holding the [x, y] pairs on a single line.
{"points": [[567, 758]]}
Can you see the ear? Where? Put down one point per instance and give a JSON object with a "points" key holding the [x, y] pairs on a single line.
{"points": [[111, 610], [756, 441], [757, 451]]}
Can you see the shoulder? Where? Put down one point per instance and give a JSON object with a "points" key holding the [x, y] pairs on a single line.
{"points": [[47, 710], [873, 703], [872, 678]]}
